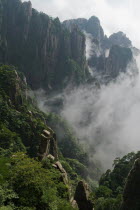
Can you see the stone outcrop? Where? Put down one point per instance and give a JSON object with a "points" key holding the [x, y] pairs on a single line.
{"points": [[18, 91], [82, 196], [48, 144], [59, 166], [131, 195]]}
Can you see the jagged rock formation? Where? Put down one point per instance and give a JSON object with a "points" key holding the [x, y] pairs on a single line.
{"points": [[109, 56], [82, 196], [91, 26], [131, 195], [52, 54], [120, 39], [40, 46]]}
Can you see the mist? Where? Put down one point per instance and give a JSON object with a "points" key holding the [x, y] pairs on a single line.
{"points": [[106, 119]]}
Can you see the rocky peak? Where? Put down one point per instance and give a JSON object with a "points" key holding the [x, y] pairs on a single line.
{"points": [[80, 22], [120, 39], [92, 26], [82, 196]]}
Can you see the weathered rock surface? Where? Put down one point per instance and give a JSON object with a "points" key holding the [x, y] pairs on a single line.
{"points": [[131, 195], [39, 45], [92, 26], [63, 172], [110, 55], [82, 196], [120, 39], [48, 144]]}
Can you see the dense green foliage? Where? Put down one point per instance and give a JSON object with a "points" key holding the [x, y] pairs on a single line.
{"points": [[108, 196], [70, 148], [19, 119], [28, 185], [25, 183], [67, 140]]}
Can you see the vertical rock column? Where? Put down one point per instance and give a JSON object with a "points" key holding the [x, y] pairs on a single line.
{"points": [[48, 144]]}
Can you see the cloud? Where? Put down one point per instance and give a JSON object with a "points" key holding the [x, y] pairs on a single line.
{"points": [[106, 119], [117, 15]]}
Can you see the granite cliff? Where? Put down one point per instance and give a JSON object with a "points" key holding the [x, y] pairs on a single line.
{"points": [[47, 53], [109, 56], [53, 54]]}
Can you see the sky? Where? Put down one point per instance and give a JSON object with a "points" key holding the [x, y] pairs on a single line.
{"points": [[115, 15]]}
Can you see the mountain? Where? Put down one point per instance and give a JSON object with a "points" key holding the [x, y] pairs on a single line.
{"points": [[42, 164], [109, 56], [52, 54]]}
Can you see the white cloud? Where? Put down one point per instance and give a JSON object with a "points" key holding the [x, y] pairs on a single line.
{"points": [[115, 15], [106, 119]]}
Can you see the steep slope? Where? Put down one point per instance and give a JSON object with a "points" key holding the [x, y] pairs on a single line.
{"points": [[119, 187], [48, 54], [18, 115], [47, 177]]}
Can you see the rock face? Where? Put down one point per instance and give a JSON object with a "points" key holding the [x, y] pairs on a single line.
{"points": [[120, 39], [15, 86], [82, 196], [109, 56], [48, 144], [52, 54], [59, 166], [131, 195], [92, 26], [39, 45], [118, 59]]}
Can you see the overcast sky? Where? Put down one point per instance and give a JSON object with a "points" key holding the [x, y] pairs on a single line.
{"points": [[115, 15]]}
